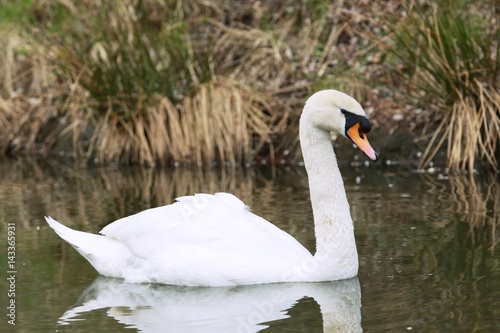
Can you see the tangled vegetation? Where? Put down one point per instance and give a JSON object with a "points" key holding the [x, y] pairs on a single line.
{"points": [[450, 58], [161, 82]]}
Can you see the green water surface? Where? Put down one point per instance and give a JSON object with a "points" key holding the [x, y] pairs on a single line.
{"points": [[428, 250]]}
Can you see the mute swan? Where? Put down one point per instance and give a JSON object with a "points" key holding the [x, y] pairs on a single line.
{"points": [[214, 240]]}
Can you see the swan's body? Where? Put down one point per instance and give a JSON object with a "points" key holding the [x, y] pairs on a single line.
{"points": [[214, 240]]}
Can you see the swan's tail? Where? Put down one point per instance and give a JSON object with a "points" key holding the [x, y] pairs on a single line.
{"points": [[107, 255]]}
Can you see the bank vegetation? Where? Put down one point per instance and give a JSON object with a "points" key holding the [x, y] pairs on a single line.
{"points": [[218, 81]]}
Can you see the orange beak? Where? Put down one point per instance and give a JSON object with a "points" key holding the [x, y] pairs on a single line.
{"points": [[359, 138]]}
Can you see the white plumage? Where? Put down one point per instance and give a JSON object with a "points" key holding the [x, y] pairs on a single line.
{"points": [[215, 240]]}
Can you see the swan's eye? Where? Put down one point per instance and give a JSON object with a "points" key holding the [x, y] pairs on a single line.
{"points": [[365, 125], [351, 119]]}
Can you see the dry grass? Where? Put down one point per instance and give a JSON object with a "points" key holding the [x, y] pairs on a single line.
{"points": [[160, 94], [23, 66], [203, 82], [220, 121], [21, 121], [210, 100], [449, 56], [29, 97], [471, 129]]}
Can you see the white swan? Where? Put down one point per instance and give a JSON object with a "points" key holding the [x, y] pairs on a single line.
{"points": [[214, 240]]}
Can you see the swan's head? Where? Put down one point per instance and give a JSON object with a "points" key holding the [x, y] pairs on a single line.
{"points": [[332, 110]]}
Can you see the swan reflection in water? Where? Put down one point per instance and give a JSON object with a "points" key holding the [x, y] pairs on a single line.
{"points": [[161, 308]]}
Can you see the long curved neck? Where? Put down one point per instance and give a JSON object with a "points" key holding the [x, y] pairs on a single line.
{"points": [[335, 245]]}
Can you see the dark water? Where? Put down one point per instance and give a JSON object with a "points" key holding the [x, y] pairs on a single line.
{"points": [[428, 246]]}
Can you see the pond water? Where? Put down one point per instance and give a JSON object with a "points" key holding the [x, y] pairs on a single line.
{"points": [[428, 249]]}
